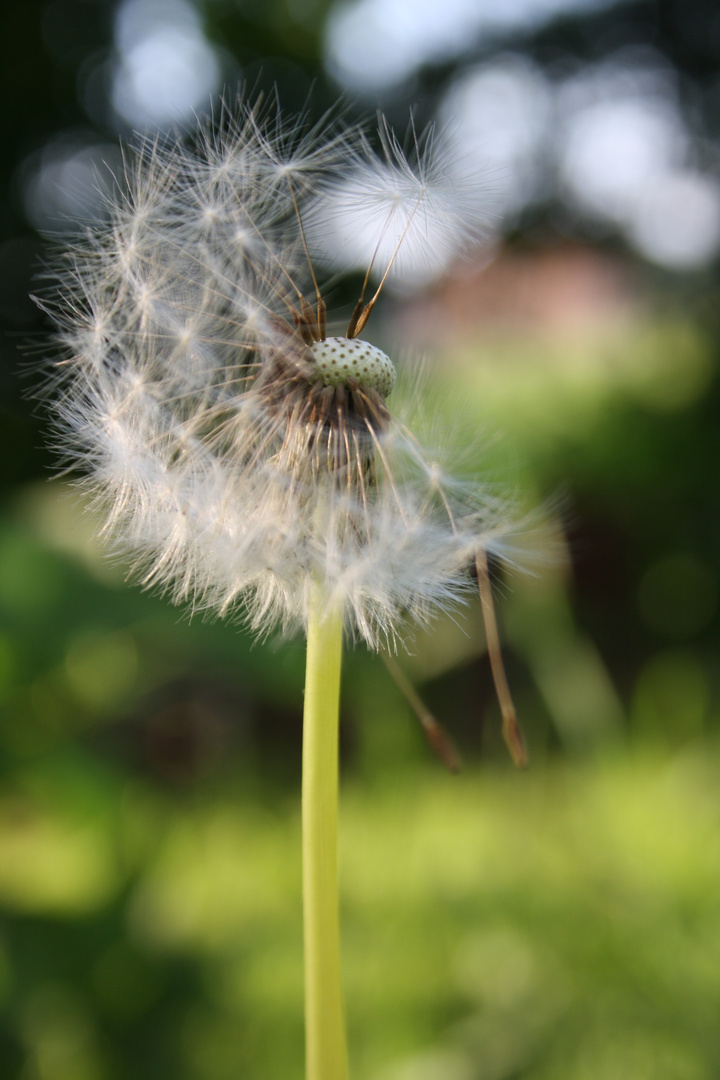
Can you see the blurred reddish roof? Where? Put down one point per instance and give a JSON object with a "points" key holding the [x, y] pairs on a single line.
{"points": [[567, 287]]}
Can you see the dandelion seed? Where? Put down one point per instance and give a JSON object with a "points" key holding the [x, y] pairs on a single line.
{"points": [[246, 458]]}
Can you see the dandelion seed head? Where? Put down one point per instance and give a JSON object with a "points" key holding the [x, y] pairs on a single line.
{"points": [[238, 452]]}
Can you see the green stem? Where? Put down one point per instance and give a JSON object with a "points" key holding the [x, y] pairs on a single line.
{"points": [[325, 1051]]}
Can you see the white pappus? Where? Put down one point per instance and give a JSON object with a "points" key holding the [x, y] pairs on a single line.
{"points": [[241, 452]]}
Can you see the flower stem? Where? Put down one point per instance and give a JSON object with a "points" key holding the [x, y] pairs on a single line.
{"points": [[325, 1050]]}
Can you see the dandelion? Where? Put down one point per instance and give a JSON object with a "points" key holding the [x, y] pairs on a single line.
{"points": [[244, 456]]}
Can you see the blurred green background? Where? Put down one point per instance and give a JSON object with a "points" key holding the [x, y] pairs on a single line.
{"points": [[562, 923]]}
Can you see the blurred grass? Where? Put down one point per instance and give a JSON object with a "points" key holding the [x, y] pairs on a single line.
{"points": [[557, 924]]}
